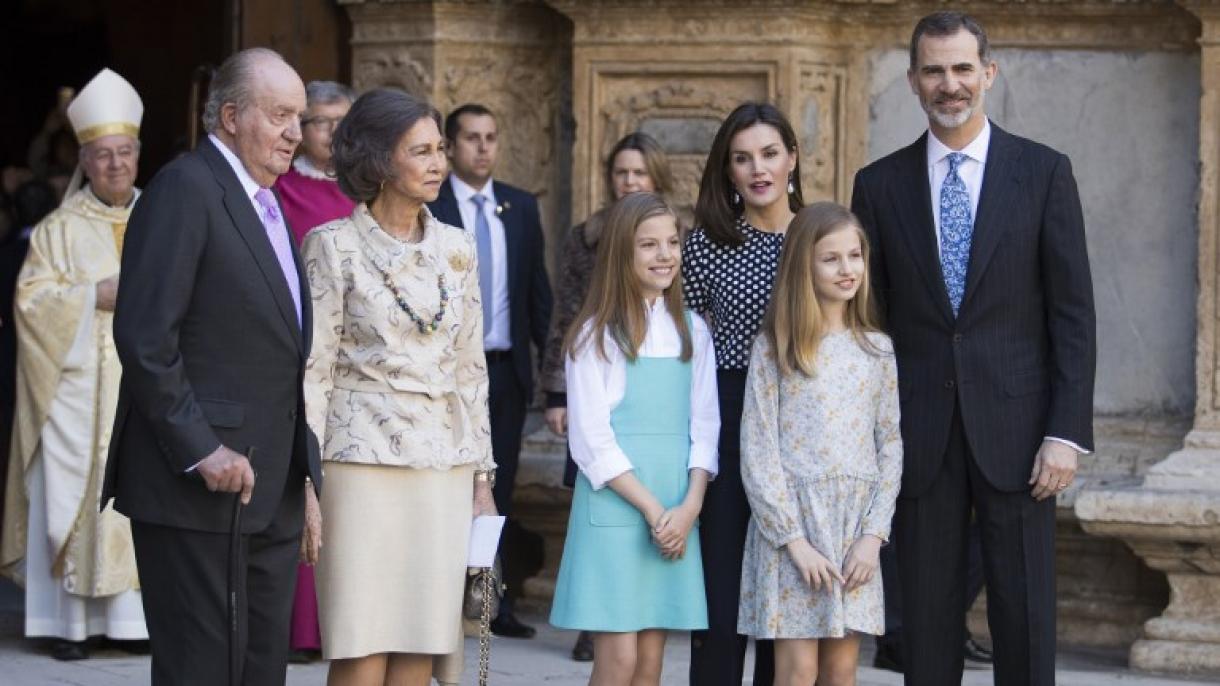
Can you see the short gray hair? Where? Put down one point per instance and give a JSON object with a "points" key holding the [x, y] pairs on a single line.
{"points": [[231, 84], [362, 147], [327, 93]]}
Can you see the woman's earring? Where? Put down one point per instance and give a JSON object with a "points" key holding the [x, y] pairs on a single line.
{"points": [[736, 198], [791, 187]]}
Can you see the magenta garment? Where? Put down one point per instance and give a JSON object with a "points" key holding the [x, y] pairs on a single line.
{"points": [[305, 632], [310, 202]]}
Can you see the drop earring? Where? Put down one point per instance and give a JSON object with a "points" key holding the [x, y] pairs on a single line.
{"points": [[791, 187], [736, 198]]}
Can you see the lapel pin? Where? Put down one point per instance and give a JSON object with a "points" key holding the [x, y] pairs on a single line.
{"points": [[503, 207]]}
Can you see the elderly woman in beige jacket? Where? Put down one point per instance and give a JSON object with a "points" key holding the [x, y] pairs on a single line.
{"points": [[396, 390]]}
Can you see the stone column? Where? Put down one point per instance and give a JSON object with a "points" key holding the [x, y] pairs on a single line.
{"points": [[510, 55], [1172, 518]]}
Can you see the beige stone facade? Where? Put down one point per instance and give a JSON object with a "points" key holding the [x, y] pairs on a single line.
{"points": [[569, 77]]}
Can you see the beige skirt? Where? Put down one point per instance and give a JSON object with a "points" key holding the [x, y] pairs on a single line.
{"points": [[393, 562]]}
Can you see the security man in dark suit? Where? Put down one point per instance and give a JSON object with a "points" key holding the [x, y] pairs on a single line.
{"points": [[980, 263], [516, 311]]}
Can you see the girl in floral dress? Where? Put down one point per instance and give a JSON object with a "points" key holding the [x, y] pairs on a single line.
{"points": [[821, 455]]}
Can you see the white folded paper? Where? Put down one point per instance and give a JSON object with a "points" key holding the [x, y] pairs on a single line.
{"points": [[484, 539]]}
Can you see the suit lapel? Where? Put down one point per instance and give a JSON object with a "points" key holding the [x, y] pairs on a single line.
{"points": [[511, 217], [913, 200], [250, 228], [447, 207], [1000, 186]]}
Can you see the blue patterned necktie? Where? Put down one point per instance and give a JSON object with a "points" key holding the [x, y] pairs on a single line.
{"points": [[956, 230], [482, 239]]}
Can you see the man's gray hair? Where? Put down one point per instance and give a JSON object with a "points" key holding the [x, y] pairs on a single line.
{"points": [[231, 84], [327, 93]]}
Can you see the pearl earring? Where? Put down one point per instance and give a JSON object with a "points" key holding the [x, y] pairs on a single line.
{"points": [[736, 198], [791, 188]]}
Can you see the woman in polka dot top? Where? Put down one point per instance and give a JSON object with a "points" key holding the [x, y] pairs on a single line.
{"points": [[750, 191]]}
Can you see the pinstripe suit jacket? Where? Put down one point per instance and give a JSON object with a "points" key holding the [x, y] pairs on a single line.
{"points": [[1019, 358]]}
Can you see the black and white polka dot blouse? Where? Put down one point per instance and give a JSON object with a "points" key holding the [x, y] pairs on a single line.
{"points": [[733, 285]]}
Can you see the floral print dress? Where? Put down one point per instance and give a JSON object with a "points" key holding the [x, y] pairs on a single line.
{"points": [[821, 458]]}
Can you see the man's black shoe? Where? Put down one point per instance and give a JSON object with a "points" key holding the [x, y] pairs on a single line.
{"points": [[137, 647], [507, 625], [583, 650], [67, 651], [888, 657], [976, 655]]}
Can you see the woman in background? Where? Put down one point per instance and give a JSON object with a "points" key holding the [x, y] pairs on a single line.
{"points": [[309, 192]]}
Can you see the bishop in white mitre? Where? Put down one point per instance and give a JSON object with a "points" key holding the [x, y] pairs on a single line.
{"points": [[76, 562]]}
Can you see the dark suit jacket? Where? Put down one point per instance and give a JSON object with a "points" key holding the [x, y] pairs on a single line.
{"points": [[1019, 358], [212, 352], [529, 291]]}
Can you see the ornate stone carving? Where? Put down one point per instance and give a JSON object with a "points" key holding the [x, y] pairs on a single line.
{"points": [[679, 101], [527, 99], [374, 67], [819, 124], [1107, 24]]}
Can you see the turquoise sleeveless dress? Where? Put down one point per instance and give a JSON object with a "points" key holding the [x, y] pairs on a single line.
{"points": [[612, 576]]}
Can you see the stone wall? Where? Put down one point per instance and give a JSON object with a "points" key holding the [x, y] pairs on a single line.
{"points": [[513, 56]]}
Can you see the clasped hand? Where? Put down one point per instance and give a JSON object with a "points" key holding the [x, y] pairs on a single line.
{"points": [[858, 568], [671, 528]]}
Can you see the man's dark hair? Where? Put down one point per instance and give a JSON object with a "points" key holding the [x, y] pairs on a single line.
{"points": [[942, 24], [715, 210], [453, 123]]}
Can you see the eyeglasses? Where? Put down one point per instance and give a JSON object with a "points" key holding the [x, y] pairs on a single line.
{"points": [[326, 123]]}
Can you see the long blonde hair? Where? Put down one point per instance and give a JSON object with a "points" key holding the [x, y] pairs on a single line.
{"points": [[615, 302], [794, 323]]}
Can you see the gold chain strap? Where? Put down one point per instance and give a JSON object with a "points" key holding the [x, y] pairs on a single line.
{"points": [[485, 578]]}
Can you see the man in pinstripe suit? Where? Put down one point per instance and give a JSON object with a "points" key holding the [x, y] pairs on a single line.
{"points": [[981, 269]]}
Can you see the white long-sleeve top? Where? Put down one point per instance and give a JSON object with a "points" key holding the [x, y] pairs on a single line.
{"points": [[596, 386]]}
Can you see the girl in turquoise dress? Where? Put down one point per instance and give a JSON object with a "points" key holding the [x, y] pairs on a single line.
{"points": [[643, 425]]}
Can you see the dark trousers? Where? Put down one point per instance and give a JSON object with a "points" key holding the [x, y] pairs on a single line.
{"points": [[892, 639], [506, 404], [1018, 544], [184, 581], [718, 654]]}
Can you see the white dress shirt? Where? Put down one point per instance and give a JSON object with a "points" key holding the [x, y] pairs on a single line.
{"points": [[496, 333], [596, 386], [971, 172], [248, 184]]}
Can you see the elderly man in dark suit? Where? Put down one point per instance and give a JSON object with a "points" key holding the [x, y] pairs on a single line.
{"points": [[213, 329], [516, 307], [980, 263]]}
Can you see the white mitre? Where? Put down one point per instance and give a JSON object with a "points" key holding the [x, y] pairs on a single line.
{"points": [[106, 106]]}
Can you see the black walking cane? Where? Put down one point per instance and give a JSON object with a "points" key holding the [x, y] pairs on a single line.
{"points": [[235, 661]]}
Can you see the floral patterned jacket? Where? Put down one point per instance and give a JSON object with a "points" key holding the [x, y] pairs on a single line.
{"points": [[384, 386]]}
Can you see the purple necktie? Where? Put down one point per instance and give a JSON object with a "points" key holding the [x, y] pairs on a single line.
{"points": [[277, 233]]}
